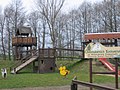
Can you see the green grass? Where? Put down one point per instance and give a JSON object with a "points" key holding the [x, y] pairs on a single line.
{"points": [[33, 80], [28, 79]]}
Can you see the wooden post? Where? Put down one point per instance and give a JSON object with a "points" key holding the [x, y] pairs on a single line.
{"points": [[90, 72], [73, 85], [34, 66], [16, 54], [39, 60], [49, 52], [116, 73], [83, 49]]}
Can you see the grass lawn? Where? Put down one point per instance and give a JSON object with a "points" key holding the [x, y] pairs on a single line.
{"points": [[28, 79]]}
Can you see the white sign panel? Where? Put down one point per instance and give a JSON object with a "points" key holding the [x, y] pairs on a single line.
{"points": [[99, 51]]}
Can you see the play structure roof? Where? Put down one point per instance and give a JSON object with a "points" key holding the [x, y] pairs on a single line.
{"points": [[109, 35], [24, 31]]}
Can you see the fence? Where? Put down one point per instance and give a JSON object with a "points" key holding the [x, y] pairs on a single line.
{"points": [[75, 83]]}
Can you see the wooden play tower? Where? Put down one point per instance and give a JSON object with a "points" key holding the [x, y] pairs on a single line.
{"points": [[26, 52], [23, 42]]}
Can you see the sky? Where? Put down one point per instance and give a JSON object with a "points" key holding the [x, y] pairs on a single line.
{"points": [[68, 5], [73, 4]]}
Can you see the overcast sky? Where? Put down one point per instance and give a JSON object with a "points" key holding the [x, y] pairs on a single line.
{"points": [[68, 5], [73, 4]]}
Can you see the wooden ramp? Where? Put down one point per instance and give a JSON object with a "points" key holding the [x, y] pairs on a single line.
{"points": [[21, 66]]}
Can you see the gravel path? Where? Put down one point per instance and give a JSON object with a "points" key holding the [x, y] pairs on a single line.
{"points": [[67, 87], [43, 88], [49, 88]]}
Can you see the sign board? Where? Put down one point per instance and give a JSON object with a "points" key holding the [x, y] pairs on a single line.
{"points": [[97, 50]]}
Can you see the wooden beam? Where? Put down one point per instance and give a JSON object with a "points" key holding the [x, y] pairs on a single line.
{"points": [[92, 85]]}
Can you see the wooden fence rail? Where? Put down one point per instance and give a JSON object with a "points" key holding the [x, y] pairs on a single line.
{"points": [[75, 83]]}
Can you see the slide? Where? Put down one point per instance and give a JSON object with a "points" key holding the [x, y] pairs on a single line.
{"points": [[107, 64]]}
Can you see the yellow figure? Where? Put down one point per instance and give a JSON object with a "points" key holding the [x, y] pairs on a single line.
{"points": [[64, 71]]}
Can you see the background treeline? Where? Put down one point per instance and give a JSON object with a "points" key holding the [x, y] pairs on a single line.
{"points": [[55, 28]]}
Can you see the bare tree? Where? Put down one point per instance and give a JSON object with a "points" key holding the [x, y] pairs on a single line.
{"points": [[16, 14], [2, 25], [44, 31], [15, 17], [50, 9], [33, 19], [7, 14]]}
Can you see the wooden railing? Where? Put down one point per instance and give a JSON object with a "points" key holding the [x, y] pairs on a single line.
{"points": [[24, 59], [24, 41], [47, 52], [60, 53], [75, 83]]}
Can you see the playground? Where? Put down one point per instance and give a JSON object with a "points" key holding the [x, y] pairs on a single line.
{"points": [[90, 67], [26, 79]]}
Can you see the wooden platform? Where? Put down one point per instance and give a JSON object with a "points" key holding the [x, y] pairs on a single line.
{"points": [[24, 41]]}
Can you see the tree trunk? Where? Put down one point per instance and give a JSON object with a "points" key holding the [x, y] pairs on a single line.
{"points": [[9, 53], [3, 46], [44, 29]]}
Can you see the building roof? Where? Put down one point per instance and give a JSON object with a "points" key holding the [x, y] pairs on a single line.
{"points": [[95, 36]]}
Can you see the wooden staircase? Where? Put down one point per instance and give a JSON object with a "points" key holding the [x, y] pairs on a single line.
{"points": [[24, 62]]}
